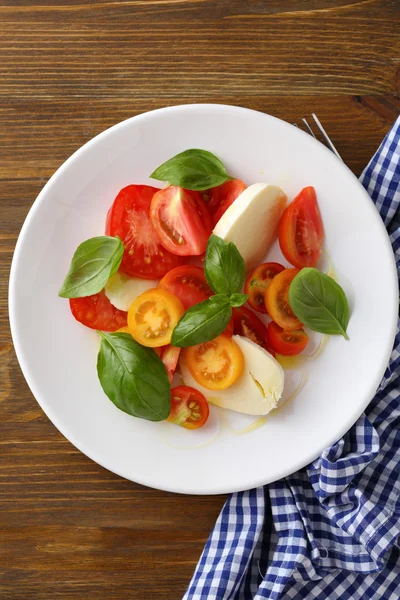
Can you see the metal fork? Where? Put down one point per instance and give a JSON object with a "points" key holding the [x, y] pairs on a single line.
{"points": [[326, 137]]}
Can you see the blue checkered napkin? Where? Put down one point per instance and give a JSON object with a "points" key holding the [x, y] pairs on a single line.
{"points": [[330, 531]]}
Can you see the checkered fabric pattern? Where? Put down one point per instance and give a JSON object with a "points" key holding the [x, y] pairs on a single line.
{"points": [[330, 531]]}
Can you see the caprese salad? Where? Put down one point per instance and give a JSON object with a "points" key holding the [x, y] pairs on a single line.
{"points": [[179, 285]]}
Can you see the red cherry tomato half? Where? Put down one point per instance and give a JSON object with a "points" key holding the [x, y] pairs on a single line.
{"points": [[129, 218], [97, 312], [248, 325], [301, 231], [181, 220], [170, 356], [258, 281], [188, 283], [221, 197], [287, 343], [189, 408]]}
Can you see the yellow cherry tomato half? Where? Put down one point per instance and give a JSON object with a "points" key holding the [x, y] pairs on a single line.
{"points": [[216, 364], [153, 316]]}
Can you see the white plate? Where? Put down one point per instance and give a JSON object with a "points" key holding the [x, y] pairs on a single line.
{"points": [[58, 355]]}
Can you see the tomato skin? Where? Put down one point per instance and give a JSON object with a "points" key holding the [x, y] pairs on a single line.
{"points": [[97, 312], [277, 300], [216, 364], [219, 198], [248, 325], [181, 220], [258, 281], [286, 343], [129, 218], [188, 282], [189, 407], [301, 232], [153, 316], [170, 355]]}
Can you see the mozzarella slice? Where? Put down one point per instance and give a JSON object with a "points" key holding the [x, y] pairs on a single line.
{"points": [[256, 392], [251, 222], [122, 290]]}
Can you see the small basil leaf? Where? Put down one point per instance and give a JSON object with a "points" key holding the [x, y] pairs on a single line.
{"points": [[203, 322], [133, 377], [319, 302], [224, 267], [193, 170], [93, 263], [237, 300]]}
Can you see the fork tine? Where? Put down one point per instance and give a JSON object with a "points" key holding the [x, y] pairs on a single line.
{"points": [[325, 135], [310, 131]]}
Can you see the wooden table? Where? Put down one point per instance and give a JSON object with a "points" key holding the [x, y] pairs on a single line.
{"points": [[70, 69]]}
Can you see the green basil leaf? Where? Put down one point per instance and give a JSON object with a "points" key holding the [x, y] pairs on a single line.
{"points": [[193, 170], [133, 377], [92, 265], [237, 300], [319, 302], [224, 267], [203, 322]]}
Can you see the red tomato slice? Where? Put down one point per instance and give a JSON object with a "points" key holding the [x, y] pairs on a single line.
{"points": [[188, 283], [97, 312], [189, 408], [258, 281], [222, 196], [248, 325], [226, 192], [287, 343], [181, 220], [129, 218], [170, 356], [301, 231]]}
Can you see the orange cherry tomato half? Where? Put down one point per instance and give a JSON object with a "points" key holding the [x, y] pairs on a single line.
{"points": [[248, 325], [97, 312], [189, 408], [153, 316], [301, 232], [219, 198], [129, 218], [181, 220], [216, 364], [258, 281], [277, 300], [188, 283], [287, 343], [170, 355]]}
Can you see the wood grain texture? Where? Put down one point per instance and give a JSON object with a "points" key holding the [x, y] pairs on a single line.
{"points": [[68, 70]]}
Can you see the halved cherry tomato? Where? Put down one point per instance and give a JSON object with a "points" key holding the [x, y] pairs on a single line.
{"points": [[181, 220], [301, 231], [129, 218], [258, 281], [97, 312], [277, 300], [287, 343], [248, 325], [170, 356], [188, 283], [189, 408], [216, 364], [153, 316], [219, 198]]}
